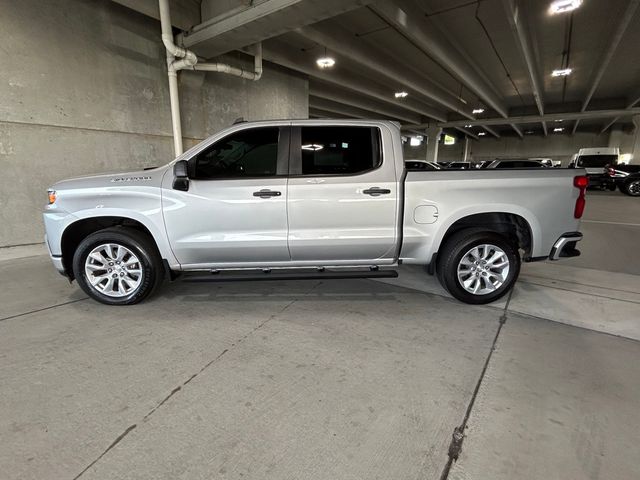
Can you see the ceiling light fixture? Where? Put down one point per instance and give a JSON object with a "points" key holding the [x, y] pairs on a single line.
{"points": [[558, 129], [561, 72], [400, 94], [314, 147], [477, 110], [325, 62], [481, 134], [564, 6], [468, 125]]}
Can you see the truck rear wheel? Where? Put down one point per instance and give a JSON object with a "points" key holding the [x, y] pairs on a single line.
{"points": [[117, 266], [477, 266]]}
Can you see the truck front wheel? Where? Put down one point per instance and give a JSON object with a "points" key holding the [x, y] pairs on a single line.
{"points": [[117, 266], [477, 266]]}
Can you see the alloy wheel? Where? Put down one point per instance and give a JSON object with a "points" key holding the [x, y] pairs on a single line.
{"points": [[483, 269], [113, 270]]}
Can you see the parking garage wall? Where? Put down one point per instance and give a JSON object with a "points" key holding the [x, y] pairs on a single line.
{"points": [[83, 90]]}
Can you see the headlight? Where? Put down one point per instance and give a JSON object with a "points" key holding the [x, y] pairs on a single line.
{"points": [[52, 196]]}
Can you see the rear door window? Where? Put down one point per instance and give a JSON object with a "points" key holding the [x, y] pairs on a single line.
{"points": [[339, 150]]}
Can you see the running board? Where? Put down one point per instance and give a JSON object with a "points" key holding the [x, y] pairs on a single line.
{"points": [[283, 274]]}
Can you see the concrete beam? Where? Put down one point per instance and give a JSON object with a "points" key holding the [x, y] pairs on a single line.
{"points": [[516, 129], [492, 131], [358, 51], [259, 21], [522, 38], [362, 103], [275, 52], [340, 109], [409, 21], [612, 46], [549, 117], [184, 13], [468, 133], [635, 98]]}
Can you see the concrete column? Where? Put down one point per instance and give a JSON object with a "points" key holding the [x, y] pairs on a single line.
{"points": [[615, 137], [465, 151], [635, 151], [433, 139]]}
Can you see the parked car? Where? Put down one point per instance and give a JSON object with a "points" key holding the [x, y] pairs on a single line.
{"points": [[595, 161], [459, 165], [421, 165], [516, 164], [549, 162], [626, 178], [308, 198]]}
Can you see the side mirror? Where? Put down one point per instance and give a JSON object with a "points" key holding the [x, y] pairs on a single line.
{"points": [[181, 175]]}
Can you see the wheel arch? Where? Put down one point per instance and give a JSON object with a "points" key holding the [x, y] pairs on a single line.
{"points": [[511, 223], [75, 232]]}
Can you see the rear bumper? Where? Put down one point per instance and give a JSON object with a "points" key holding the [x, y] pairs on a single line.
{"points": [[565, 246]]}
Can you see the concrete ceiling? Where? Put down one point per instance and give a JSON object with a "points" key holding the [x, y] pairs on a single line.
{"points": [[450, 55]]}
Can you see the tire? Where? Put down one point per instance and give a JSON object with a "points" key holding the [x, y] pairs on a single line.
{"points": [[631, 187], [138, 274], [456, 264]]}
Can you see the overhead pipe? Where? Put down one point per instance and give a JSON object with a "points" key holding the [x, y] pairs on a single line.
{"points": [[179, 58], [238, 72]]}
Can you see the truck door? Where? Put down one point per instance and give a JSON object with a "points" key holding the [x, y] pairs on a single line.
{"points": [[234, 211], [343, 196]]}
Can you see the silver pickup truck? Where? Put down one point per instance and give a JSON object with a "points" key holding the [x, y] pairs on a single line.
{"points": [[308, 199]]}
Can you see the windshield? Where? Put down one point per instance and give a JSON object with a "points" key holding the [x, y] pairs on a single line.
{"points": [[596, 161]]}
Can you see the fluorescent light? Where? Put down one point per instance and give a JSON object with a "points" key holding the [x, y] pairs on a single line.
{"points": [[481, 134], [415, 142], [558, 129], [468, 126], [325, 62], [401, 94], [561, 72], [314, 147], [563, 6], [528, 132], [477, 110], [559, 120]]}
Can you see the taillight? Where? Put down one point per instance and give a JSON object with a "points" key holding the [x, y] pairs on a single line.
{"points": [[580, 183], [611, 172]]}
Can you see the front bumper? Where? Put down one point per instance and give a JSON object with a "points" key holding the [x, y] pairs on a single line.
{"points": [[56, 259], [565, 246]]}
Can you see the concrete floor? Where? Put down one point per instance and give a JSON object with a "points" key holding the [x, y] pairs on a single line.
{"points": [[353, 379]]}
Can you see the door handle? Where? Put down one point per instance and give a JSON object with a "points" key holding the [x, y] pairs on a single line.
{"points": [[375, 191], [266, 193]]}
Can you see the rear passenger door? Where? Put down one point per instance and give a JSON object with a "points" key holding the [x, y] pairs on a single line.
{"points": [[342, 196]]}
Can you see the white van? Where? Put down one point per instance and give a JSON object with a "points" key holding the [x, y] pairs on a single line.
{"points": [[595, 161]]}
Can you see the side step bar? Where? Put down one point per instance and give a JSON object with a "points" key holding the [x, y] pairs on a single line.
{"points": [[236, 276]]}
